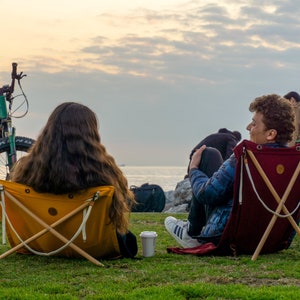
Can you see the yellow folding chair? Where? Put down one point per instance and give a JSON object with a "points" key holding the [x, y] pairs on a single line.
{"points": [[69, 225]]}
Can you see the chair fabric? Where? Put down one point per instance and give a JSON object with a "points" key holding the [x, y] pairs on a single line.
{"points": [[249, 216], [98, 237]]}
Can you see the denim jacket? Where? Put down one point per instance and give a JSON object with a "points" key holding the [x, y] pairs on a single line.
{"points": [[216, 193]]}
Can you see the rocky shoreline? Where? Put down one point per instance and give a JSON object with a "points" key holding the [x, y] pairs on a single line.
{"points": [[178, 201]]}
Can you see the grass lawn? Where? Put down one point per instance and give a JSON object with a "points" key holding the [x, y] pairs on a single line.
{"points": [[164, 276]]}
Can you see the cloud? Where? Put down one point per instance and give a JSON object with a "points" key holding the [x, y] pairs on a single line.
{"points": [[160, 80]]}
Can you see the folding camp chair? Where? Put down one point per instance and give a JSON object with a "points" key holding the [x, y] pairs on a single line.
{"points": [[70, 225], [266, 203]]}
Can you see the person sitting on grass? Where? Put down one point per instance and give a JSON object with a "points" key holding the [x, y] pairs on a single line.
{"points": [[224, 140], [272, 125]]}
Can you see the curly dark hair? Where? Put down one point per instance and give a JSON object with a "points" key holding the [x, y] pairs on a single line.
{"points": [[277, 114], [68, 157]]}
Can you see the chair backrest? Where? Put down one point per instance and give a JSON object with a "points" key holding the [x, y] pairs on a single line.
{"points": [[254, 201], [98, 236]]}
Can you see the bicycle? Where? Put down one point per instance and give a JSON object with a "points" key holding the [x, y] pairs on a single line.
{"points": [[12, 147]]}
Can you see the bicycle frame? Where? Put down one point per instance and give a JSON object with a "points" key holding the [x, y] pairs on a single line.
{"points": [[7, 130]]}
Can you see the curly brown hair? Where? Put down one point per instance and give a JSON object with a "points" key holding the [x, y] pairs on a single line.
{"points": [[68, 157], [277, 114]]}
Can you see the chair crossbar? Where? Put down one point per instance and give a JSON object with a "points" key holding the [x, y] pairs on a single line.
{"points": [[50, 228], [279, 215], [280, 201]]}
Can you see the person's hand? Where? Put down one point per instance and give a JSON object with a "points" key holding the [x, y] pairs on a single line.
{"points": [[196, 158]]}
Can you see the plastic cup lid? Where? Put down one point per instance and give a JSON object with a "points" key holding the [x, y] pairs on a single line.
{"points": [[148, 234]]}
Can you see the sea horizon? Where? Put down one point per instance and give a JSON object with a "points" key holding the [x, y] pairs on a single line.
{"points": [[165, 176]]}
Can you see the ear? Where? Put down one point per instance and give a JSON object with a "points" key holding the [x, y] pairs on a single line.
{"points": [[293, 102], [272, 133]]}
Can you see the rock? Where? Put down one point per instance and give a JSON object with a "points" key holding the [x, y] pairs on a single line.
{"points": [[183, 192], [178, 201], [183, 208], [169, 197]]}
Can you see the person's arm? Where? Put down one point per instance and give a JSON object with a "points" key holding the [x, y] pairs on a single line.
{"points": [[213, 190], [196, 157]]}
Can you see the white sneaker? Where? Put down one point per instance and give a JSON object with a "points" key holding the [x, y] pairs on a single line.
{"points": [[178, 229]]}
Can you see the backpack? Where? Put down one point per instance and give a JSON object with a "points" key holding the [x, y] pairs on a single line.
{"points": [[149, 198]]}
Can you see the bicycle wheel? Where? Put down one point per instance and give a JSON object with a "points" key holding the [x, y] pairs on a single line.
{"points": [[22, 146]]}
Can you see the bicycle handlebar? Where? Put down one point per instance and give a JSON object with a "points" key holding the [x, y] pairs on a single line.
{"points": [[13, 77], [9, 89]]}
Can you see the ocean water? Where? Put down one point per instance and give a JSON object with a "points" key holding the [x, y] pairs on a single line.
{"points": [[167, 177]]}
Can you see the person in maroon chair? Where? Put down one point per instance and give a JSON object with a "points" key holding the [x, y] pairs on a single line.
{"points": [[272, 125]]}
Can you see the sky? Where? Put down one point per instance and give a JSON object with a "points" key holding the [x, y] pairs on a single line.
{"points": [[160, 75]]}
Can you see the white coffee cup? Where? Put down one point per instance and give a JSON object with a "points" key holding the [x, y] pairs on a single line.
{"points": [[148, 242]]}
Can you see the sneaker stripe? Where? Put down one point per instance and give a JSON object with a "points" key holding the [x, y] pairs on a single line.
{"points": [[178, 231], [175, 229]]}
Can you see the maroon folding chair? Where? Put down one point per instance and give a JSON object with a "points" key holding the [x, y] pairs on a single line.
{"points": [[265, 213]]}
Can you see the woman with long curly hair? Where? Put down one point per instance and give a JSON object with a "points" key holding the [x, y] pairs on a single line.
{"points": [[68, 157]]}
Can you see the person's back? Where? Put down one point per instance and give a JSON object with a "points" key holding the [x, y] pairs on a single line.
{"points": [[224, 140], [69, 157]]}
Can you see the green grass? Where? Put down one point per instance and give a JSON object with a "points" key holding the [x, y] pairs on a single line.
{"points": [[164, 276]]}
